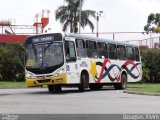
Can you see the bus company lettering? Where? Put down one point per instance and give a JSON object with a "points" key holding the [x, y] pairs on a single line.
{"points": [[83, 64]]}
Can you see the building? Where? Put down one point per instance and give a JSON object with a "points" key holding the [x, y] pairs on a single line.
{"points": [[10, 38]]}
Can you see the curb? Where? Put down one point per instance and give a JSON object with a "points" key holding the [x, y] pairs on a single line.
{"points": [[141, 93]]}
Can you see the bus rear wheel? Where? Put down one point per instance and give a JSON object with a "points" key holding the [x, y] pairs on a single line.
{"points": [[123, 84]]}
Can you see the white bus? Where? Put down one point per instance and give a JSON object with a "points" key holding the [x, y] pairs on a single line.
{"points": [[58, 60]]}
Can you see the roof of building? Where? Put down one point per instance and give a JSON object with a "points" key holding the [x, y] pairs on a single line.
{"points": [[5, 38]]}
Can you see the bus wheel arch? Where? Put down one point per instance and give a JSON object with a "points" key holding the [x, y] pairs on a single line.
{"points": [[84, 81], [123, 84]]}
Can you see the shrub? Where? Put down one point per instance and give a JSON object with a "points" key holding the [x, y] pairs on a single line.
{"points": [[151, 65], [12, 61]]}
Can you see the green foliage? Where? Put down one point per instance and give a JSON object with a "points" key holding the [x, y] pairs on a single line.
{"points": [[145, 88], [11, 84], [12, 61], [151, 65], [153, 23]]}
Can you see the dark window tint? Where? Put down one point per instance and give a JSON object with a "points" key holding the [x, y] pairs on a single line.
{"points": [[136, 54], [81, 51], [130, 53], [121, 52], [102, 50], [91, 49], [112, 51]]}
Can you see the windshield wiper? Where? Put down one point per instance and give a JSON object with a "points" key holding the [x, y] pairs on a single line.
{"points": [[48, 46]]}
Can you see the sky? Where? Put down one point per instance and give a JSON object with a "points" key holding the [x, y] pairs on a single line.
{"points": [[119, 15]]}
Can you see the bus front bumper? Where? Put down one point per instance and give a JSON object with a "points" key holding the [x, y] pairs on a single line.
{"points": [[33, 82]]}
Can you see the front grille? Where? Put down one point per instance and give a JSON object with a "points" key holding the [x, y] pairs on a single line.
{"points": [[44, 81], [44, 76]]}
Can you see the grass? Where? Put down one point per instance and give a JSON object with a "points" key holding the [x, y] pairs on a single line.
{"points": [[7, 84], [145, 88], [134, 87]]}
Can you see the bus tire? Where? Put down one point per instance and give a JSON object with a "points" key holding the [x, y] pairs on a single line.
{"points": [[58, 88], [50, 88], [123, 84], [54, 88], [83, 82]]}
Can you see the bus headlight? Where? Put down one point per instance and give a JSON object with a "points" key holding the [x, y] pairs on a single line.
{"points": [[30, 75], [61, 71]]}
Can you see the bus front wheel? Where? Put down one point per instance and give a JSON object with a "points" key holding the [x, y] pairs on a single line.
{"points": [[50, 88], [56, 88]]}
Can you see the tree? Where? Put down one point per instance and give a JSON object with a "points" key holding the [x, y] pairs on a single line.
{"points": [[12, 61], [151, 65], [153, 23], [69, 16]]}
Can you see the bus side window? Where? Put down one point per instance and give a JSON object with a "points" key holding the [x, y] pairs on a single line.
{"points": [[80, 45], [70, 52], [91, 49], [121, 52], [102, 50], [112, 51], [137, 58], [130, 53], [67, 49]]}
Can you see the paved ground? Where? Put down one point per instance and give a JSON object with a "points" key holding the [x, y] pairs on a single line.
{"points": [[70, 101]]}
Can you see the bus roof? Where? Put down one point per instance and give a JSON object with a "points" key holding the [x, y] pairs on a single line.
{"points": [[97, 39]]}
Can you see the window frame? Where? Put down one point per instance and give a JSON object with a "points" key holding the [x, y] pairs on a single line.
{"points": [[119, 55], [93, 50], [135, 56], [104, 49], [69, 58], [115, 51], [78, 49], [127, 51]]}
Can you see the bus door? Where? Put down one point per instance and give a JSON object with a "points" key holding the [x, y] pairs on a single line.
{"points": [[92, 55], [71, 65]]}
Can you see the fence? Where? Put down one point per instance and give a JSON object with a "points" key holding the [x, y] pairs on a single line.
{"points": [[153, 42]]}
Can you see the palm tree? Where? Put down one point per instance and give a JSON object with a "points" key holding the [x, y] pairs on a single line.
{"points": [[69, 16]]}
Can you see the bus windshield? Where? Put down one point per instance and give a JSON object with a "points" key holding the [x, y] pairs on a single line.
{"points": [[44, 55]]}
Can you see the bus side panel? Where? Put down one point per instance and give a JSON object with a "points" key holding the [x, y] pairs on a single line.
{"points": [[72, 73], [109, 71], [134, 72]]}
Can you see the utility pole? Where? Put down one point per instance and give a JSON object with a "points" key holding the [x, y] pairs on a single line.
{"points": [[97, 23], [99, 14]]}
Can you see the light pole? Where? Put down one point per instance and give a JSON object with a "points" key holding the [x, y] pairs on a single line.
{"points": [[97, 23], [99, 14]]}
